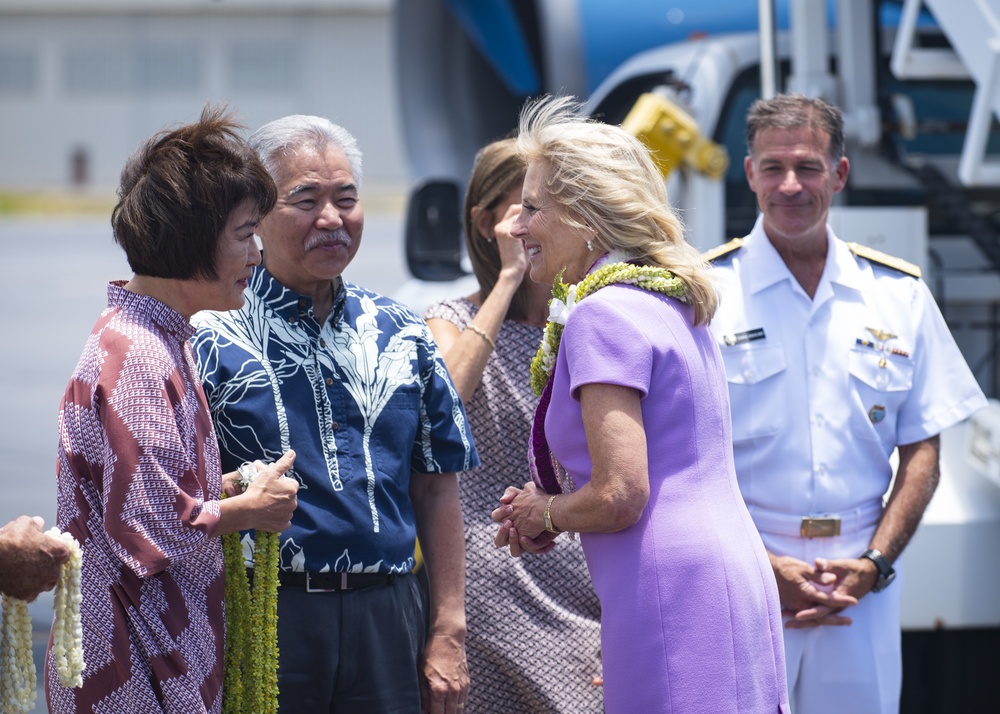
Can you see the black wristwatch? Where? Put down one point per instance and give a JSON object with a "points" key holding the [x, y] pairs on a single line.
{"points": [[885, 572]]}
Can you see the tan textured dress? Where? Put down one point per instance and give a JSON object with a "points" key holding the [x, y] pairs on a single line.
{"points": [[533, 638]]}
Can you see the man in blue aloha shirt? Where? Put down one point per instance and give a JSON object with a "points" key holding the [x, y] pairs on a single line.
{"points": [[354, 383]]}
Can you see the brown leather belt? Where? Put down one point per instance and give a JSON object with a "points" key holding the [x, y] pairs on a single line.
{"points": [[332, 582]]}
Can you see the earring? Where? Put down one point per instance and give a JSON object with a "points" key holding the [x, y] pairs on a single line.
{"points": [[590, 245]]}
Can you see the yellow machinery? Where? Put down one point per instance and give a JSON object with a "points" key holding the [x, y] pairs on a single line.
{"points": [[673, 137]]}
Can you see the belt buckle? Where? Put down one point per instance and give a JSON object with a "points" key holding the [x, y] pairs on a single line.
{"points": [[820, 527], [311, 589]]}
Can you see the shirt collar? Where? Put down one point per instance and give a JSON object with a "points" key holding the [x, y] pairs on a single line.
{"points": [[765, 266], [289, 304], [841, 265], [161, 314]]}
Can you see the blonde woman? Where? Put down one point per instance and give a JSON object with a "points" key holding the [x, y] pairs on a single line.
{"points": [[631, 445], [487, 340]]}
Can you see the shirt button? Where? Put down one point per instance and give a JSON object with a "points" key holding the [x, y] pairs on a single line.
{"points": [[336, 426], [815, 371], [329, 382], [820, 421], [322, 342], [292, 320], [749, 375], [821, 470]]}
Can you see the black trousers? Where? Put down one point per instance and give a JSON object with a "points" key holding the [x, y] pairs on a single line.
{"points": [[356, 651]]}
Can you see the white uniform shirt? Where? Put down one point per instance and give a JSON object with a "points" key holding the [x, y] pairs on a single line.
{"points": [[822, 390]]}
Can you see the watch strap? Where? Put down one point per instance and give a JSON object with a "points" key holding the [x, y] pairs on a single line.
{"points": [[886, 573]]}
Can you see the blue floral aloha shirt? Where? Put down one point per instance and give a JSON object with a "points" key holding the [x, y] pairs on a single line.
{"points": [[363, 399]]}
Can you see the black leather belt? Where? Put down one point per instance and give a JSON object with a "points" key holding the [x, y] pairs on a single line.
{"points": [[333, 582]]}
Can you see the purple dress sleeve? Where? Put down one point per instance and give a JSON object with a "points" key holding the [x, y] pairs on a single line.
{"points": [[606, 345]]}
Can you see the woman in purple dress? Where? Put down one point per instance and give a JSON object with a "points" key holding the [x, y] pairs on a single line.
{"points": [[631, 445]]}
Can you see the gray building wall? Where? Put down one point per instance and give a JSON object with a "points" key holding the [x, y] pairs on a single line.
{"points": [[94, 79]]}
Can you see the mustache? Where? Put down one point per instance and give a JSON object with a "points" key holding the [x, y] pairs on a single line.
{"points": [[337, 237]]}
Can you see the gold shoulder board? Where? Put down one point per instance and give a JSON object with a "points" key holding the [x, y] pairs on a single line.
{"points": [[721, 251], [889, 261]]}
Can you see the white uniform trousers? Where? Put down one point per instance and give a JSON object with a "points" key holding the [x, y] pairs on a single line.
{"points": [[857, 668]]}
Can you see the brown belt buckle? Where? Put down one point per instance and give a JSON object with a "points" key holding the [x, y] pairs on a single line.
{"points": [[820, 527], [311, 589]]}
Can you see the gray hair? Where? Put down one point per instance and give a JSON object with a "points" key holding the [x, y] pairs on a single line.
{"points": [[289, 134], [796, 111]]}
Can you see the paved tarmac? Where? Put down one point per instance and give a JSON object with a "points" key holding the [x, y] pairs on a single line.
{"points": [[52, 290]]}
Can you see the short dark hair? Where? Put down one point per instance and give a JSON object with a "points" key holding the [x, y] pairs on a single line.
{"points": [[796, 111], [177, 192]]}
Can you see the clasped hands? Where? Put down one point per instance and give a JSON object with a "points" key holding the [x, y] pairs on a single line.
{"points": [[815, 595], [522, 523]]}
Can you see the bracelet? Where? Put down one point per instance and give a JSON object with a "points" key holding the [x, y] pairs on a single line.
{"points": [[482, 333], [547, 517]]}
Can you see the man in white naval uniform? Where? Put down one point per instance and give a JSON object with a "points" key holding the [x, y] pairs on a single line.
{"points": [[835, 356]]}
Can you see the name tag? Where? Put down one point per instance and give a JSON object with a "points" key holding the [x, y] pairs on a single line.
{"points": [[738, 338]]}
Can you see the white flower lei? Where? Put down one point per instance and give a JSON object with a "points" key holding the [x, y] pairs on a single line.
{"points": [[17, 669], [613, 267], [18, 680], [67, 634]]}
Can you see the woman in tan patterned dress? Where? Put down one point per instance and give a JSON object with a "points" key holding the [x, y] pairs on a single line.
{"points": [[533, 640]]}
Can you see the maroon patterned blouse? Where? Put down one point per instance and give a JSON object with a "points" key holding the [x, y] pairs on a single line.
{"points": [[139, 479]]}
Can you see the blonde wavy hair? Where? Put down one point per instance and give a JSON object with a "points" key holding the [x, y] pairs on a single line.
{"points": [[603, 178]]}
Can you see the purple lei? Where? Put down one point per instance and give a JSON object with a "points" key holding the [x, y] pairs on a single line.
{"points": [[545, 470]]}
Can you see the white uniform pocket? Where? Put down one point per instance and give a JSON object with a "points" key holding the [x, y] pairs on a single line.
{"points": [[757, 386], [881, 390]]}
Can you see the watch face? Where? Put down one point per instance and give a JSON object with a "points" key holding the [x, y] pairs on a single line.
{"points": [[883, 581]]}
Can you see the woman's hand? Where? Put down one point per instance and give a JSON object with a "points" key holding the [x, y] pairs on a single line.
{"points": [[231, 484], [499, 515], [526, 511], [274, 496], [513, 256], [522, 523], [508, 537], [266, 505]]}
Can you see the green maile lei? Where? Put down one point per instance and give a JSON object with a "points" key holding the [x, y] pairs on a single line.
{"points": [[250, 680], [612, 268]]}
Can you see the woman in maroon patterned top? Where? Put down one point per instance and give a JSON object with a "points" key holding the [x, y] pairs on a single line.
{"points": [[140, 482]]}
